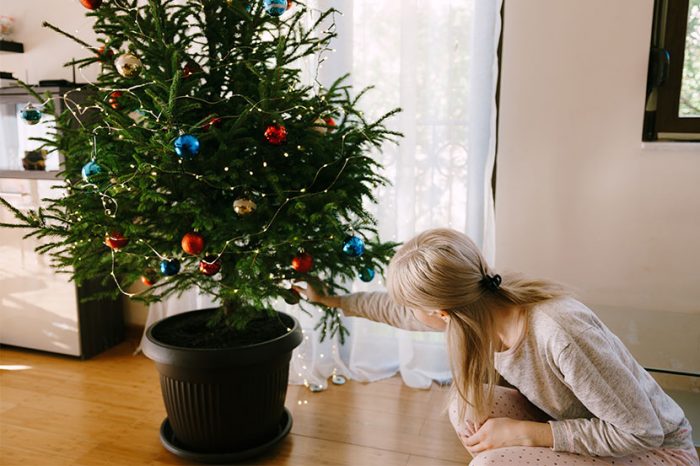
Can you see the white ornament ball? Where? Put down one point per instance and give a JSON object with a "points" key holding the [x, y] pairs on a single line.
{"points": [[244, 206], [128, 65], [319, 126]]}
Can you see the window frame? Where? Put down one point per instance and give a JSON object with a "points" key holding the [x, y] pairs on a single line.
{"points": [[662, 121]]}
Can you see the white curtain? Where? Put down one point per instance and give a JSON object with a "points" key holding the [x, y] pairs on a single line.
{"points": [[437, 61]]}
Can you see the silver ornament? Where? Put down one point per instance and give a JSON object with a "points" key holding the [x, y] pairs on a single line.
{"points": [[244, 206], [314, 387], [338, 379], [128, 65]]}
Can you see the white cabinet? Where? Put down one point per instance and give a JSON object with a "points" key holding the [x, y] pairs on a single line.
{"points": [[38, 307]]}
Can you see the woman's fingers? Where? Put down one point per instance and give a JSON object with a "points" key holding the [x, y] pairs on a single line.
{"points": [[473, 449], [473, 439]]}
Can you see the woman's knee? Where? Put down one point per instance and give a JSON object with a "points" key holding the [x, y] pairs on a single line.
{"points": [[461, 425], [488, 458]]}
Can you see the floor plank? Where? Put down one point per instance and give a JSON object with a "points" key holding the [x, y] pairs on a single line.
{"points": [[107, 411]]}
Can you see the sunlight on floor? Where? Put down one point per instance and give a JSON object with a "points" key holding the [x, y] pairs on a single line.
{"points": [[14, 367]]}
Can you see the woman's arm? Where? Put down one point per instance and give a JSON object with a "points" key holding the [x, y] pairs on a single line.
{"points": [[376, 306], [624, 420], [501, 432]]}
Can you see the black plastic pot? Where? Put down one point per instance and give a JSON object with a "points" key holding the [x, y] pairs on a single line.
{"points": [[227, 400]]}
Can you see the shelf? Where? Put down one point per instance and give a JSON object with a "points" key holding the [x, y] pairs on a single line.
{"points": [[30, 174], [9, 46]]}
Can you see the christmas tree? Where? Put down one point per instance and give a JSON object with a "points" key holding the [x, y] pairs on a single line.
{"points": [[201, 158]]}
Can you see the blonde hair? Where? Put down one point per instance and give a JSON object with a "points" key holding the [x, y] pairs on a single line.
{"points": [[442, 269]]}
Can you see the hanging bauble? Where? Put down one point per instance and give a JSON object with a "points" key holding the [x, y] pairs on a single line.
{"points": [[113, 99], [215, 122], [128, 65], [275, 7], [276, 134], [149, 277], [169, 267], [330, 123], [291, 296], [191, 68], [303, 262], [30, 114], [244, 206], [115, 240], [319, 126], [354, 246], [210, 265], [186, 146], [90, 169], [91, 4], [104, 54], [138, 115], [192, 243], [367, 274]]}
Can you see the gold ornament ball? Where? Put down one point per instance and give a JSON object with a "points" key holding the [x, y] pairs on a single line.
{"points": [[319, 126], [128, 65], [244, 206]]}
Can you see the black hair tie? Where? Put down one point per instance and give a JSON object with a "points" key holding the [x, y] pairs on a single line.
{"points": [[491, 282]]}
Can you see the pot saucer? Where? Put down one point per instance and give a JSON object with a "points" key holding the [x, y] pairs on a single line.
{"points": [[173, 445]]}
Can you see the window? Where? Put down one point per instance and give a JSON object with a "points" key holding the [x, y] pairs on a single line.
{"points": [[673, 82]]}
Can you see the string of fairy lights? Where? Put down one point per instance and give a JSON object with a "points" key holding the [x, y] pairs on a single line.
{"points": [[130, 64]]}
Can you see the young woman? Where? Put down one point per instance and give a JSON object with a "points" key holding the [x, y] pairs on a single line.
{"points": [[578, 397]]}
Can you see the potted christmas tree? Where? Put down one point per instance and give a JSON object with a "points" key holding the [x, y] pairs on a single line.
{"points": [[202, 159]]}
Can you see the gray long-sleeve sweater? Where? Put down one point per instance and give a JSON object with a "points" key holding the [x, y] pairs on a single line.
{"points": [[572, 367]]}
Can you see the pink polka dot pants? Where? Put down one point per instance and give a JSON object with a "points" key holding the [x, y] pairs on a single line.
{"points": [[510, 403]]}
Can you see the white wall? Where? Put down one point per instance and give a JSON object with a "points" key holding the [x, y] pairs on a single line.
{"points": [[45, 51], [578, 199]]}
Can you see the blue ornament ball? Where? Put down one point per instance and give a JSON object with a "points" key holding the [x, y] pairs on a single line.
{"points": [[275, 7], [30, 114], [367, 274], [90, 169], [169, 267], [354, 246], [186, 146]]}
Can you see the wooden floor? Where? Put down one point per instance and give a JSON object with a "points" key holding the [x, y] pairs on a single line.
{"points": [[108, 410]]}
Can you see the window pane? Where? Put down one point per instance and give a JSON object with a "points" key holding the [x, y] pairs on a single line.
{"points": [[690, 87]]}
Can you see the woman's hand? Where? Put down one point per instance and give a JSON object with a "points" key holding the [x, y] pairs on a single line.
{"points": [[500, 432], [314, 294]]}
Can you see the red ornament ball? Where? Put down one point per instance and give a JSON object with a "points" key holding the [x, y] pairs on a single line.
{"points": [[149, 277], [192, 243], [330, 122], [276, 134], [116, 240], [91, 4], [104, 54], [215, 122], [190, 69], [113, 99], [210, 265], [303, 262]]}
